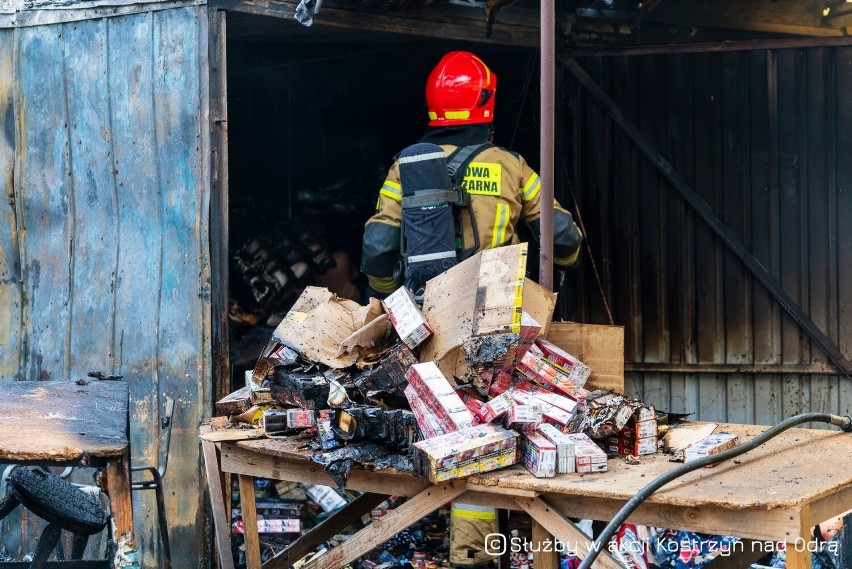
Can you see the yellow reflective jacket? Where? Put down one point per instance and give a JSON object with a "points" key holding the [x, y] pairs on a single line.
{"points": [[503, 190]]}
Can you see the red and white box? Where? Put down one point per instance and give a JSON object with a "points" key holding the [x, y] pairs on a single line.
{"points": [[589, 456], [534, 367], [577, 371], [566, 461], [715, 443], [406, 318], [538, 454], [469, 451], [428, 423], [633, 446], [496, 407], [530, 329], [428, 384], [500, 384], [523, 416]]}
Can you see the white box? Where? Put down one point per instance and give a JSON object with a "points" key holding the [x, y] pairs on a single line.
{"points": [[406, 317]]}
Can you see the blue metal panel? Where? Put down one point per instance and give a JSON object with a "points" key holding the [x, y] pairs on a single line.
{"points": [[42, 190], [139, 263], [112, 197]]}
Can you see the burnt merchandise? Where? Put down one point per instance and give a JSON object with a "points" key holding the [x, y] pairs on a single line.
{"points": [[389, 374], [339, 462], [305, 390], [394, 428]]}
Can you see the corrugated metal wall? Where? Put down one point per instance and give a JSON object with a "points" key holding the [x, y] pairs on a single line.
{"points": [[764, 137], [104, 245]]}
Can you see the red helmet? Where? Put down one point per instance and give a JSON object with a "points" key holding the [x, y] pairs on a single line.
{"points": [[460, 90]]}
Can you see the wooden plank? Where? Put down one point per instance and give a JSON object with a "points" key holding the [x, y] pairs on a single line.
{"points": [[43, 196], [117, 474], [564, 530], [221, 514], [338, 521], [219, 203], [74, 421], [10, 260], [243, 461], [752, 523], [395, 521], [249, 511], [233, 435], [543, 544], [92, 199]]}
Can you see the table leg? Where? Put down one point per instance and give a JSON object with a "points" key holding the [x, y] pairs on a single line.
{"points": [[553, 522], [221, 516], [544, 554], [503, 529], [798, 556], [249, 510], [117, 481], [394, 522]]}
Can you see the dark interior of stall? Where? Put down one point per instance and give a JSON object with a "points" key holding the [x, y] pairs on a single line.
{"points": [[315, 117]]}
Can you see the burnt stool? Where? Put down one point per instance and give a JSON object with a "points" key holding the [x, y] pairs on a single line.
{"points": [[61, 504]]}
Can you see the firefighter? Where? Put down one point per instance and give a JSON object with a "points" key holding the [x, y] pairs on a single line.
{"points": [[503, 190]]}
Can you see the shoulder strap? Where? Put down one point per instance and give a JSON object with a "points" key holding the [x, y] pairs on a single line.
{"points": [[459, 159]]}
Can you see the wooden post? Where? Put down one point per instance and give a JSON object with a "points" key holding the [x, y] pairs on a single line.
{"points": [[221, 514], [249, 509], [544, 553], [117, 474]]}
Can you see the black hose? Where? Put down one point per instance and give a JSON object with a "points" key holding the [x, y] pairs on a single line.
{"points": [[845, 423]]}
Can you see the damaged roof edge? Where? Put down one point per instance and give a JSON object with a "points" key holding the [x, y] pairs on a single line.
{"points": [[28, 13], [518, 27]]}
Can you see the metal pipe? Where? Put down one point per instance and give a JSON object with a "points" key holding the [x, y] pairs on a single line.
{"points": [[547, 134], [844, 422]]}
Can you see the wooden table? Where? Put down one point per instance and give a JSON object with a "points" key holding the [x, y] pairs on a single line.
{"points": [[772, 494], [63, 423]]}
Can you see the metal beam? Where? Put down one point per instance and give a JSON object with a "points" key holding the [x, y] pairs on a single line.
{"points": [[547, 134], [709, 216]]}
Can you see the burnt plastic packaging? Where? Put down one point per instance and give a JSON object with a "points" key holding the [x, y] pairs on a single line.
{"points": [[394, 428], [339, 462]]}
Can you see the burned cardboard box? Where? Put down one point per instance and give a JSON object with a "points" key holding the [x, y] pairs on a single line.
{"points": [[234, 403], [287, 421], [475, 310], [324, 329]]}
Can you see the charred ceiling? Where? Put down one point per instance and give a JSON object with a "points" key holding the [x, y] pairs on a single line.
{"points": [[579, 23]]}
